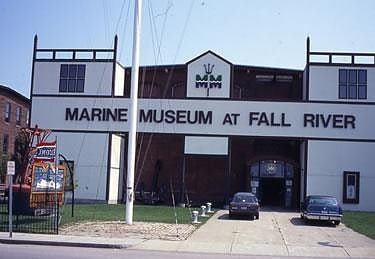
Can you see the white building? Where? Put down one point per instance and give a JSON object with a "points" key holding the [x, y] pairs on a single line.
{"points": [[209, 128]]}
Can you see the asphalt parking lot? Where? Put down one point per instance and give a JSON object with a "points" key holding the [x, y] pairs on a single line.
{"points": [[275, 233]]}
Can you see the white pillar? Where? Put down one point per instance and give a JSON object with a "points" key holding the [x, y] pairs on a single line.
{"points": [[134, 108]]}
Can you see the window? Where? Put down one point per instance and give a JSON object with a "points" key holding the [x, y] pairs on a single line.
{"points": [[18, 115], [5, 143], [72, 78], [351, 187], [7, 111], [352, 84]]}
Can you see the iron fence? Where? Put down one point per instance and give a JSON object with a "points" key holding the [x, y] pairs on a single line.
{"points": [[29, 216]]}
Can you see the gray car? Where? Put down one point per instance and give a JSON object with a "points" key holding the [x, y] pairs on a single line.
{"points": [[244, 203]]}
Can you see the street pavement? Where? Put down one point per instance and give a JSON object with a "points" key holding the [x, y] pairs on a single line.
{"points": [[274, 234]]}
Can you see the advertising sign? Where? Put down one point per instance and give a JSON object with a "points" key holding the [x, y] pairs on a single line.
{"points": [[46, 151], [46, 179]]}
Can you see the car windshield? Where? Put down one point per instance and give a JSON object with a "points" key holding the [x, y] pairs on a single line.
{"points": [[323, 201], [244, 198]]}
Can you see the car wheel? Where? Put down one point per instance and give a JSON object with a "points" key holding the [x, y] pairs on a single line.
{"points": [[256, 216], [337, 222]]}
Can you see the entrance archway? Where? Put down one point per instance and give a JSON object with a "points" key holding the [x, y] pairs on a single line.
{"points": [[274, 182]]}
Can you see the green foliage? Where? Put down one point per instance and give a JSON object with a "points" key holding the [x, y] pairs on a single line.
{"points": [[362, 222], [145, 213], [3, 167], [20, 149]]}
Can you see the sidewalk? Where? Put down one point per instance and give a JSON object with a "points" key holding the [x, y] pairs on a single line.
{"points": [[274, 234]]}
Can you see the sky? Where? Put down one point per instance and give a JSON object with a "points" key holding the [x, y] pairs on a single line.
{"points": [[270, 33]]}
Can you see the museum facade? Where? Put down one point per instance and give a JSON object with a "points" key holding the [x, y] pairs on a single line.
{"points": [[209, 128]]}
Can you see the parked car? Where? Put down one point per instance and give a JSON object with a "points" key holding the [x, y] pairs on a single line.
{"points": [[244, 203], [320, 207]]}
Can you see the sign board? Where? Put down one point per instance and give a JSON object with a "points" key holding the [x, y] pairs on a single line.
{"points": [[209, 117], [47, 188], [11, 168], [46, 152], [46, 179]]}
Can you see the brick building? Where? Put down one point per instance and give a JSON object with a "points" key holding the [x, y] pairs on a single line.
{"points": [[15, 112]]}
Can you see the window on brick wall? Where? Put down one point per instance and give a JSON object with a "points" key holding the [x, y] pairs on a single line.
{"points": [[5, 143], [352, 84], [7, 111], [72, 78], [18, 115]]}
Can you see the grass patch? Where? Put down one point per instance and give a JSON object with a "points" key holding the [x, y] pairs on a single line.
{"points": [[362, 222], [107, 212]]}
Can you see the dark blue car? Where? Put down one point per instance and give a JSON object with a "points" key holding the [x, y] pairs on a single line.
{"points": [[320, 207], [244, 203]]}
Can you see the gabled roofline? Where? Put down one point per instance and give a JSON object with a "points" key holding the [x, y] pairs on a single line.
{"points": [[14, 93], [209, 52]]}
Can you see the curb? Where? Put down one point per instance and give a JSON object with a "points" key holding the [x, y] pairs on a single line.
{"points": [[62, 243]]}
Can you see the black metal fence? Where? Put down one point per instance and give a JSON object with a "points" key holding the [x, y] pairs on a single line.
{"points": [[29, 216]]}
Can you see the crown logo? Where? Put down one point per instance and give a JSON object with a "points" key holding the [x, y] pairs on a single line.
{"points": [[208, 68]]}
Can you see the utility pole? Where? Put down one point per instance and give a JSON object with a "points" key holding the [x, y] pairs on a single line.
{"points": [[132, 140]]}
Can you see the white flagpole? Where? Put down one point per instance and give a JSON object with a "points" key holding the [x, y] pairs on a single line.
{"points": [[133, 118]]}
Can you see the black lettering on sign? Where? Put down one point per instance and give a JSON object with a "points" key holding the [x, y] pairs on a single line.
{"points": [[283, 123], [336, 121], [308, 118], [84, 115], [253, 116], [263, 119], [173, 116], [349, 120], [231, 118], [96, 113], [122, 114], [69, 115]]}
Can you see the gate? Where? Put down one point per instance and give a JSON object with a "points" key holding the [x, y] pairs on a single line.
{"points": [[41, 218]]}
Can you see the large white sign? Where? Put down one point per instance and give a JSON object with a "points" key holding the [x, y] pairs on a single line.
{"points": [[208, 117], [208, 77]]}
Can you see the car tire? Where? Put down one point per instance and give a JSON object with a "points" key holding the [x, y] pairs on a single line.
{"points": [[336, 222], [256, 216]]}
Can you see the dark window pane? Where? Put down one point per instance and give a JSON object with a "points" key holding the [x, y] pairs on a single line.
{"points": [[81, 71], [342, 76], [63, 85], [5, 144], [362, 92], [352, 76], [352, 91], [80, 85], [64, 71], [72, 85], [351, 179], [362, 76], [72, 71], [342, 91]]}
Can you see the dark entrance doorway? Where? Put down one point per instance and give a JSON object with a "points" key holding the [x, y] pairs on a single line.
{"points": [[271, 192], [274, 183]]}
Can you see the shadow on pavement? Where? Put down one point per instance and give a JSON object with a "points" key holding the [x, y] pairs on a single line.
{"points": [[237, 217], [297, 221], [277, 209]]}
